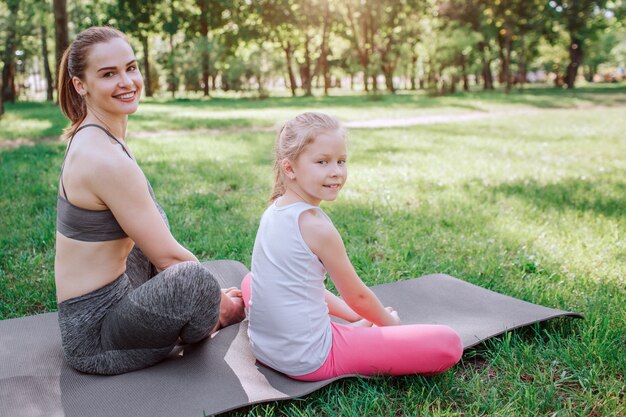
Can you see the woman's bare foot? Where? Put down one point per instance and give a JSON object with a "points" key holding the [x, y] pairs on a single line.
{"points": [[231, 308]]}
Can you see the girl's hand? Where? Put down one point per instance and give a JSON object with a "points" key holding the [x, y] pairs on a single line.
{"points": [[362, 323], [394, 314]]}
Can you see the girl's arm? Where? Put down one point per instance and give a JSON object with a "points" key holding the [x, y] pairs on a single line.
{"points": [[325, 242], [338, 308]]}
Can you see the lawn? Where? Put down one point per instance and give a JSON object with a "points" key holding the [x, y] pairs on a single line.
{"points": [[531, 205]]}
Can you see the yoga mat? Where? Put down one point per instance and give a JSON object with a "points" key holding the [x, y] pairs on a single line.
{"points": [[220, 373]]}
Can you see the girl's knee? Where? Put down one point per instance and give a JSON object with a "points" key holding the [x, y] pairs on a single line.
{"points": [[450, 344], [246, 290]]}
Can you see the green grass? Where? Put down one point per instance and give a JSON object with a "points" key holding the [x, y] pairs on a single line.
{"points": [[532, 206]]}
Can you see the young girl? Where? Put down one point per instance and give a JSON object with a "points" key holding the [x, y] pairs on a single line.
{"points": [[296, 245], [127, 291]]}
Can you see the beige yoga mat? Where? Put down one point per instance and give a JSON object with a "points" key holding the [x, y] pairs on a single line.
{"points": [[220, 373]]}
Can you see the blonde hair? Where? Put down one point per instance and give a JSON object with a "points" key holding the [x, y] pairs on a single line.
{"points": [[293, 137], [73, 64]]}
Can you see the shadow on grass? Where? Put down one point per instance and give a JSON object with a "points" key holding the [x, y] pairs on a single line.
{"points": [[151, 122], [551, 97], [35, 111], [602, 198]]}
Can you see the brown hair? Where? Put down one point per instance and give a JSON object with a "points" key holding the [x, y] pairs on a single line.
{"points": [[293, 137], [73, 64]]}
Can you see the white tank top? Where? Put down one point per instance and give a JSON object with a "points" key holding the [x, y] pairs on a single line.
{"points": [[289, 327]]}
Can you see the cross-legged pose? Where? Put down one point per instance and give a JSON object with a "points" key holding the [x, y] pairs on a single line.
{"points": [[296, 246], [127, 291]]}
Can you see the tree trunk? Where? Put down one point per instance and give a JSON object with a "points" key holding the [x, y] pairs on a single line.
{"points": [[326, 73], [506, 66], [322, 61], [521, 73], [172, 72], [388, 66], [413, 72], [61, 36], [592, 69], [305, 69], [431, 78], [46, 64], [504, 41], [486, 70], [288, 58], [464, 73], [361, 50], [146, 66], [8, 70], [389, 79], [8, 73], [204, 34], [366, 80], [575, 59], [1, 103], [453, 82]]}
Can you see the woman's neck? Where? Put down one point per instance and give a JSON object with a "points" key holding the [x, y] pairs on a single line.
{"points": [[115, 125]]}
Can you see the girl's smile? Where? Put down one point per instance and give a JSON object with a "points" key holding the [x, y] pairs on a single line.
{"points": [[320, 171]]}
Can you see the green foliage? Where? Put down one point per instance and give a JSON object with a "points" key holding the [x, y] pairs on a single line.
{"points": [[333, 40]]}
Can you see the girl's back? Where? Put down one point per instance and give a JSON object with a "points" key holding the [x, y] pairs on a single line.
{"points": [[289, 324]]}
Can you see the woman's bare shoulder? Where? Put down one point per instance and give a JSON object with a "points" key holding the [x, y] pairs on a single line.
{"points": [[97, 152]]}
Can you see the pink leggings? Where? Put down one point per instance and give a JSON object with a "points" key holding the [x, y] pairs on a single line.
{"points": [[391, 350]]}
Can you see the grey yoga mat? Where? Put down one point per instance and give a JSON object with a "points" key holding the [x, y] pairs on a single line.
{"points": [[220, 373]]}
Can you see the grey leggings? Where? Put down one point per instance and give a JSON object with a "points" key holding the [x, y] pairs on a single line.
{"points": [[136, 320]]}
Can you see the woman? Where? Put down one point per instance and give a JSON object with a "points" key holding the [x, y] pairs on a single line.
{"points": [[120, 310]]}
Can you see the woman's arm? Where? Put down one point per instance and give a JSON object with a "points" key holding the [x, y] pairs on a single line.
{"points": [[122, 187], [324, 240]]}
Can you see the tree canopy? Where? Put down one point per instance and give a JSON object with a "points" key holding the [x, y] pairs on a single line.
{"points": [[298, 45]]}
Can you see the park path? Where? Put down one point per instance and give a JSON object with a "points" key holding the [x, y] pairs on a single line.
{"points": [[434, 119], [358, 124]]}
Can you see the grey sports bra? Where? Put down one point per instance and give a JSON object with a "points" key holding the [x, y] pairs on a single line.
{"points": [[88, 225]]}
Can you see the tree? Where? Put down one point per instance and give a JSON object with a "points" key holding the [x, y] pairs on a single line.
{"points": [[204, 33], [604, 48], [210, 16], [277, 23], [136, 17], [60, 31], [300, 28], [43, 31], [8, 70], [581, 19], [376, 29]]}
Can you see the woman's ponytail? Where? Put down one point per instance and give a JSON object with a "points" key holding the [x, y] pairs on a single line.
{"points": [[72, 104]]}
